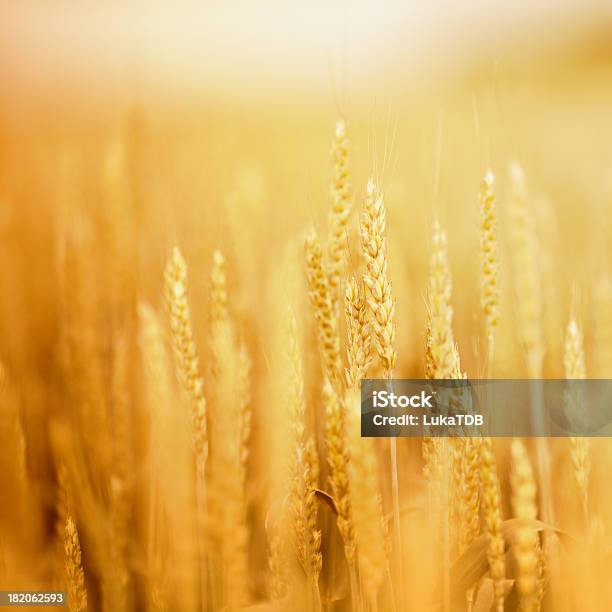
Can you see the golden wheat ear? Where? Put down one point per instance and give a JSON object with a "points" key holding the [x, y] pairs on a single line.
{"points": [[574, 364], [185, 352], [188, 370], [489, 255], [75, 578], [442, 356], [358, 328], [341, 205], [527, 544], [526, 271], [326, 322], [230, 429], [380, 295]]}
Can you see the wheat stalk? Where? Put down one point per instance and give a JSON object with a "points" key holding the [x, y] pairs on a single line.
{"points": [[339, 477], [370, 530], [228, 528], [338, 458], [116, 583], [309, 551], [529, 309], [189, 374], [447, 480], [229, 434], [381, 304], [159, 397], [304, 465]]}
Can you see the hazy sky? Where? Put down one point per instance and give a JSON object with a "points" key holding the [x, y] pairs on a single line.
{"points": [[239, 43]]}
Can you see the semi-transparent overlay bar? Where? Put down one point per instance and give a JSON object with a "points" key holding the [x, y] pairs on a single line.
{"points": [[32, 598], [493, 408]]}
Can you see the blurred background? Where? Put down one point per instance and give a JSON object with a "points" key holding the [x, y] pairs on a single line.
{"points": [[129, 127], [227, 96]]}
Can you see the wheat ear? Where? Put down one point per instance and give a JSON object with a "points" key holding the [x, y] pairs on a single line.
{"points": [[443, 459], [529, 308], [525, 264], [116, 585], [341, 204], [489, 285], [218, 281], [312, 558], [358, 328], [442, 357], [189, 374], [304, 465], [185, 353], [159, 396], [77, 593], [338, 458], [469, 491], [574, 364], [492, 513], [526, 546], [229, 433], [382, 309], [368, 516], [380, 296], [327, 324], [278, 580], [602, 317]]}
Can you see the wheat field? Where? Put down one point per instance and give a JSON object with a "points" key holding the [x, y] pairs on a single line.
{"points": [[191, 293]]}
